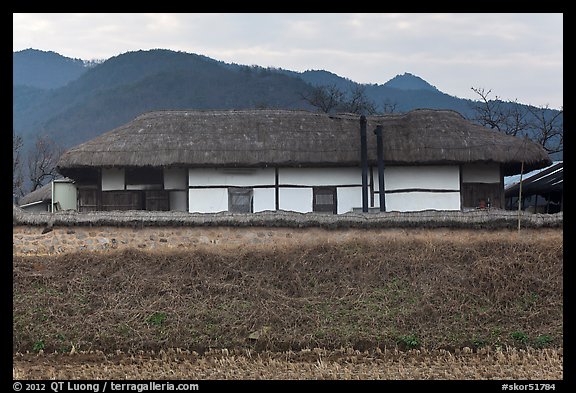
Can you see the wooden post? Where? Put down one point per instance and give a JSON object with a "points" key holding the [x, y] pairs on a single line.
{"points": [[380, 153], [520, 186], [520, 195], [364, 163]]}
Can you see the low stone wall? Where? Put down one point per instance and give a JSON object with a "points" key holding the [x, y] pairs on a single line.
{"points": [[37, 240], [68, 231]]}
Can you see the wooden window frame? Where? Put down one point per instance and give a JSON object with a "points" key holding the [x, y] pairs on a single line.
{"points": [[325, 190], [239, 191]]}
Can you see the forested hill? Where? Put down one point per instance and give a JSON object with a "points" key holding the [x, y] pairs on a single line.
{"points": [[72, 101], [123, 87], [44, 69]]}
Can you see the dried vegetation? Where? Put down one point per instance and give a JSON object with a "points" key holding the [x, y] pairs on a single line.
{"points": [[317, 364], [266, 306]]}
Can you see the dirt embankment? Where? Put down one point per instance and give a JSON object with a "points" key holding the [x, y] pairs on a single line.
{"points": [[407, 289]]}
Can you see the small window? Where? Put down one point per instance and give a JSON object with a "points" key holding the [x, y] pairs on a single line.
{"points": [[240, 200], [143, 178], [325, 200]]}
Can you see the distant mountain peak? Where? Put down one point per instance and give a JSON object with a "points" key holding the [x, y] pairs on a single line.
{"points": [[44, 69], [409, 81]]}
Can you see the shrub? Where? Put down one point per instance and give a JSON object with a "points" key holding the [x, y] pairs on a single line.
{"points": [[409, 341], [520, 337]]}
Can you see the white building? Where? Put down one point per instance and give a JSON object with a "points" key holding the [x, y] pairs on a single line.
{"points": [[257, 160]]}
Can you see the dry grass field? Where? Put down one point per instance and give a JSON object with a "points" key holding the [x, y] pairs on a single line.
{"points": [[316, 364], [409, 304]]}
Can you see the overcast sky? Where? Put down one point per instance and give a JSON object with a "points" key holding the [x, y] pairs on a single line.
{"points": [[516, 55]]}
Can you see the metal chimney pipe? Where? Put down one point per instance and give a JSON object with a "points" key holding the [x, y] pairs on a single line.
{"points": [[364, 163], [380, 152]]}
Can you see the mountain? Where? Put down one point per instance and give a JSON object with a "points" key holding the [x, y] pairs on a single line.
{"points": [[72, 103], [122, 87], [322, 78], [45, 69], [409, 82], [405, 92]]}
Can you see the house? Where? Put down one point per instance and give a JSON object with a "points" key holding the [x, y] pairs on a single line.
{"points": [[542, 190], [59, 194], [256, 160]]}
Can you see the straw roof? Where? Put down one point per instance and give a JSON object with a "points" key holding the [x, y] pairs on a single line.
{"points": [[42, 194], [259, 138]]}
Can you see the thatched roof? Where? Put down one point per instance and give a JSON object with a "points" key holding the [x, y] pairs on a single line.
{"points": [[258, 138], [42, 194]]}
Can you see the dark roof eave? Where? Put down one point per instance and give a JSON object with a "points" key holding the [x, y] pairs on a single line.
{"points": [[510, 168]]}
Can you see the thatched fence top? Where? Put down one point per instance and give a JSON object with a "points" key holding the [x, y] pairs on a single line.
{"points": [[260, 138], [489, 219]]}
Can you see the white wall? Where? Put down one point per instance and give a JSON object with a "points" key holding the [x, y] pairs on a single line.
{"points": [[433, 177], [231, 177], [481, 173], [175, 179], [207, 200], [178, 200], [417, 201], [300, 199], [439, 177], [320, 176], [264, 199], [348, 197], [112, 179], [65, 194], [296, 199]]}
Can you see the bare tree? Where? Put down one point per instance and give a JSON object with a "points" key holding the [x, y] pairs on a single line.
{"points": [[541, 124], [42, 160], [389, 107], [548, 127], [496, 114], [516, 120], [17, 176], [325, 98], [330, 98], [359, 102]]}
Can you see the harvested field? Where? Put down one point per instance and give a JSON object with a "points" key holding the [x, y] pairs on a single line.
{"points": [[317, 364], [441, 290]]}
